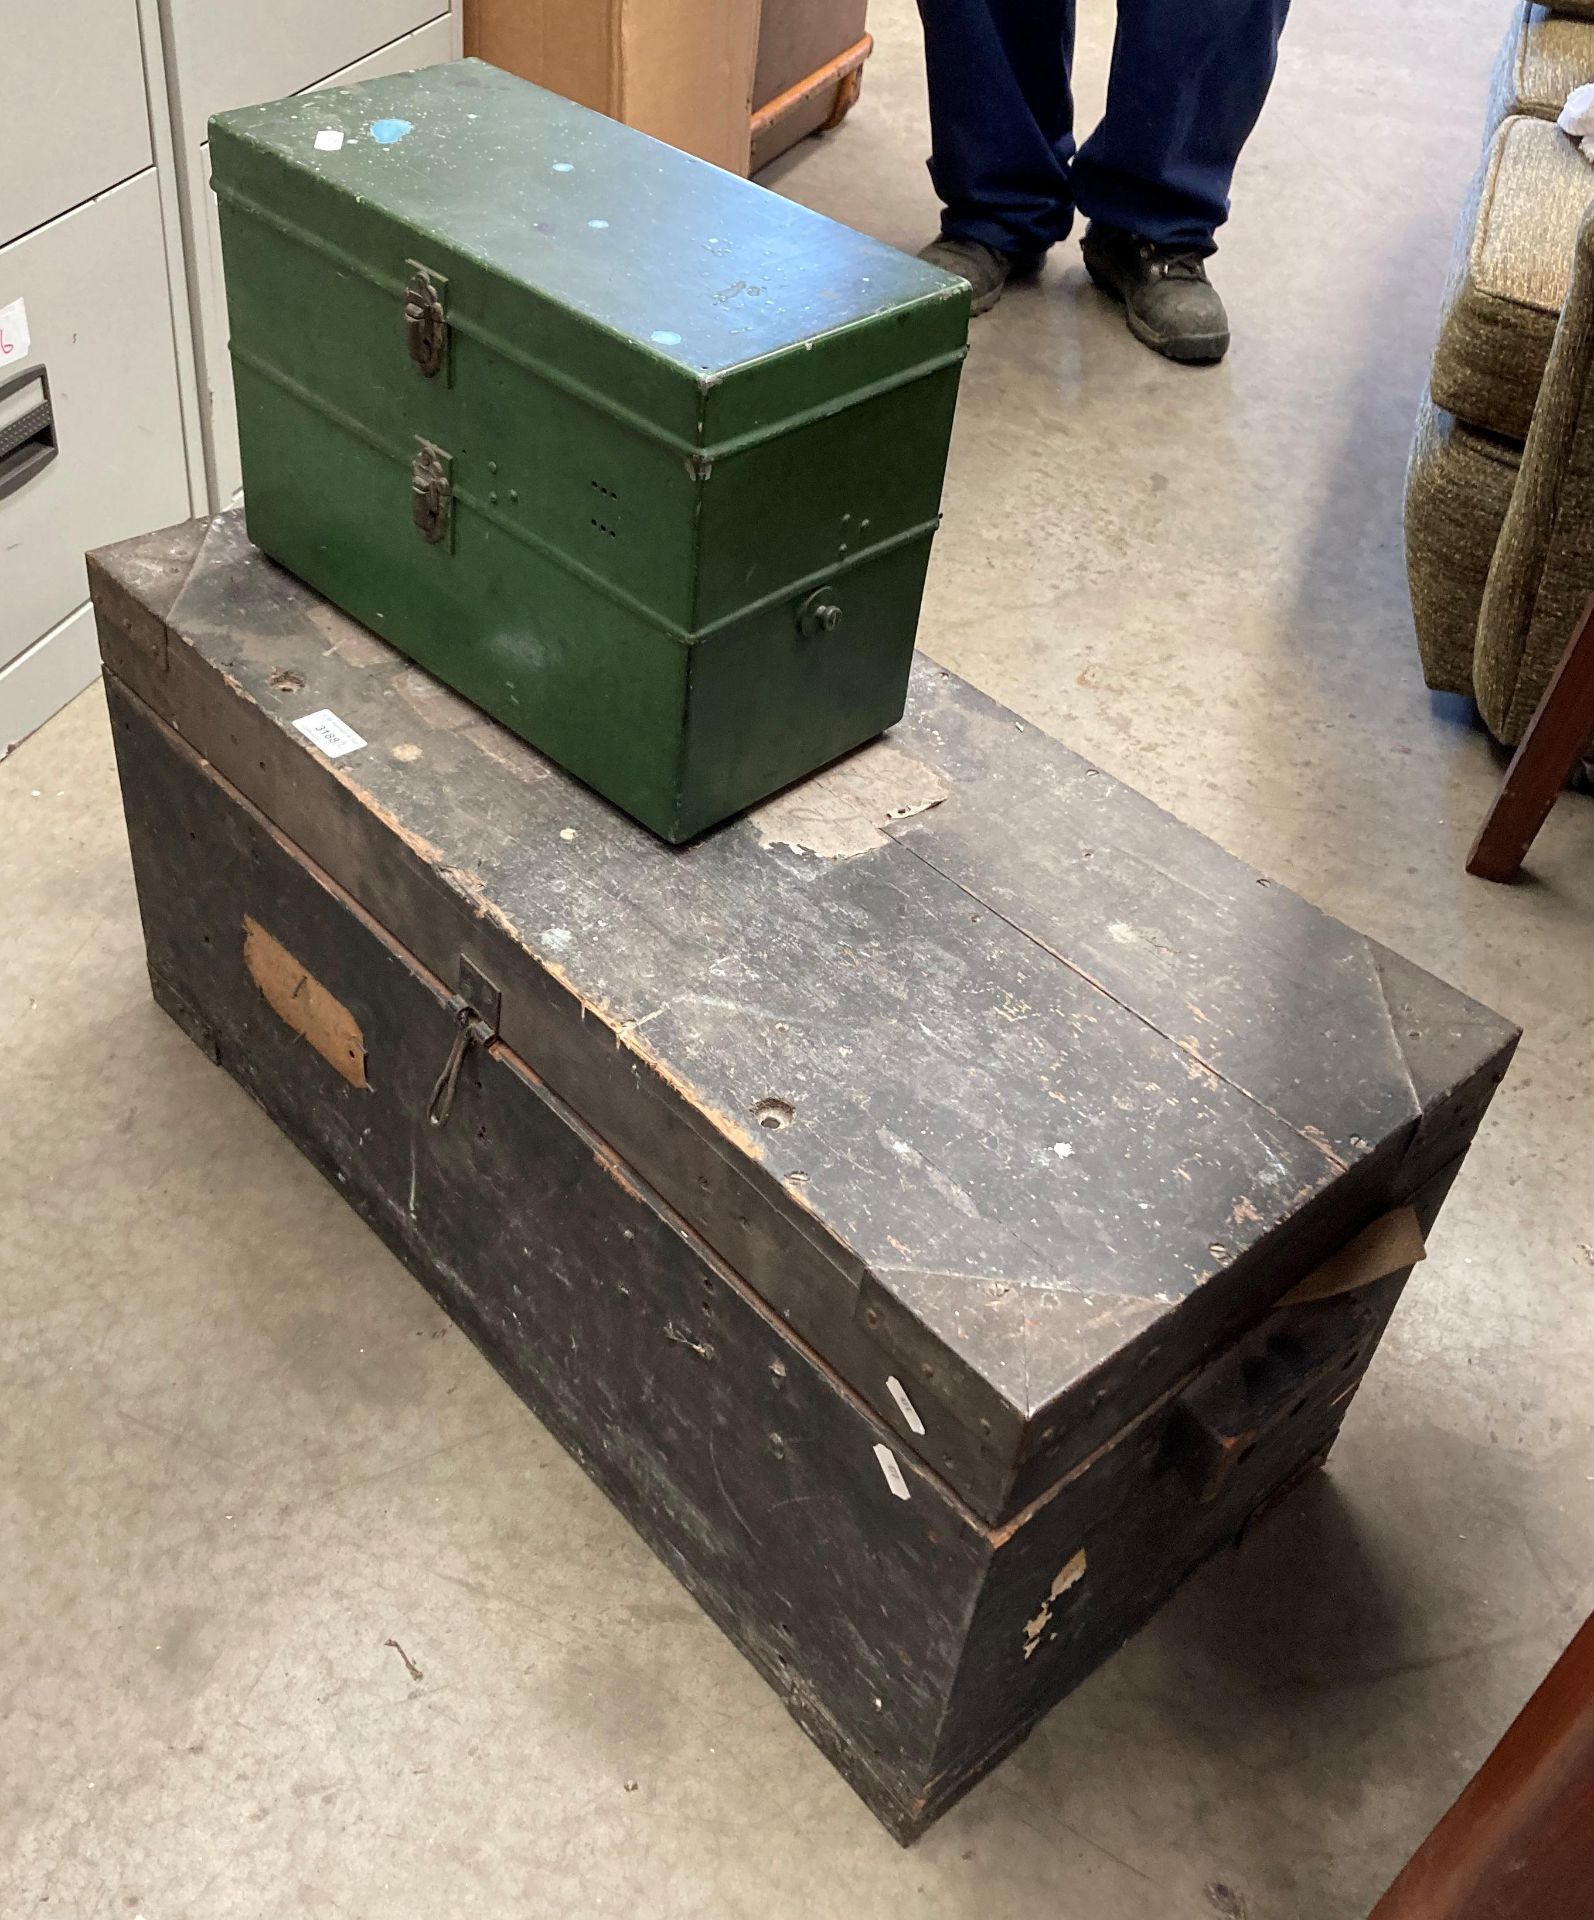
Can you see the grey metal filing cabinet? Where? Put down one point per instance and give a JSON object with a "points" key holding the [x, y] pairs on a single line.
{"points": [[116, 407], [91, 431]]}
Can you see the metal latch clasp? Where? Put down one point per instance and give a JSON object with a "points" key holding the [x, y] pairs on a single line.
{"points": [[425, 322], [475, 1009], [431, 492]]}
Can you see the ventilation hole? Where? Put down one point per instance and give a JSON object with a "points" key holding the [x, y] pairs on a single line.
{"points": [[774, 1114], [1246, 1454], [1299, 1405]]}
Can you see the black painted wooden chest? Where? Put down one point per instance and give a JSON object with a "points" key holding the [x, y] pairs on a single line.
{"points": [[939, 1207]]}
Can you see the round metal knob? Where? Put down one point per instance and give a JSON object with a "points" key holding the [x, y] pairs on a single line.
{"points": [[819, 613]]}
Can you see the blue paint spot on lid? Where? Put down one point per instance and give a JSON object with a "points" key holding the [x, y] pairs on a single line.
{"points": [[665, 338], [388, 133], [563, 166]]}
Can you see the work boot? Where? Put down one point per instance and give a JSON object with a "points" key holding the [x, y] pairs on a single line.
{"points": [[985, 269], [1168, 300]]}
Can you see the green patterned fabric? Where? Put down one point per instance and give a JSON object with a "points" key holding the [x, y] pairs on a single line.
{"points": [[1458, 489], [1543, 57], [1513, 260], [1543, 567]]}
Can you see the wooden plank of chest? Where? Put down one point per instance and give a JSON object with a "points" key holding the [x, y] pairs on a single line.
{"points": [[1275, 996]]}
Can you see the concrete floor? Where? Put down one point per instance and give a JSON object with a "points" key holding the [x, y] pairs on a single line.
{"points": [[242, 1456]]}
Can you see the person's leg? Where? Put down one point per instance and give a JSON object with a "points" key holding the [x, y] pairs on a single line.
{"points": [[1188, 81], [1001, 120]]}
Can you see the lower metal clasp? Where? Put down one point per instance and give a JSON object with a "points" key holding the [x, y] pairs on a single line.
{"points": [[475, 1011], [432, 492]]}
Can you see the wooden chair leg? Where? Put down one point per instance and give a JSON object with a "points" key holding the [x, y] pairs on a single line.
{"points": [[1519, 1843], [1558, 732]]}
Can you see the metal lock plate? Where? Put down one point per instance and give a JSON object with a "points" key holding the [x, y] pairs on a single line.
{"points": [[432, 492], [819, 613], [425, 322]]}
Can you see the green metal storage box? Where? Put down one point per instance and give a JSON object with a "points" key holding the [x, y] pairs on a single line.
{"points": [[641, 458]]}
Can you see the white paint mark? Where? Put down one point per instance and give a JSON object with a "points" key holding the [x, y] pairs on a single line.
{"points": [[905, 1406], [1124, 935], [329, 140], [1069, 1574], [598, 225], [1064, 1149], [556, 937], [567, 833], [891, 1467], [665, 338], [563, 166]]}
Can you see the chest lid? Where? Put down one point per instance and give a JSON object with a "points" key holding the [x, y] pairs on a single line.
{"points": [[684, 299], [1010, 1095]]}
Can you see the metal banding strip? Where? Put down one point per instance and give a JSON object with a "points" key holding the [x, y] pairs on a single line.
{"points": [[792, 589], [578, 390]]}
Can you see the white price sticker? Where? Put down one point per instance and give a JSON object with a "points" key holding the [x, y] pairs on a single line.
{"points": [[14, 336], [891, 1467], [325, 730], [329, 140]]}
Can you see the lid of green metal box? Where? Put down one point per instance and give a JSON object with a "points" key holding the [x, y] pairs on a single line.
{"points": [[705, 306]]}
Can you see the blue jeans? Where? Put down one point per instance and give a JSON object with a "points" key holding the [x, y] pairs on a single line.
{"points": [[1187, 82]]}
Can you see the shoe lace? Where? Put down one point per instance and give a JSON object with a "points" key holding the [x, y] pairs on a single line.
{"points": [[1177, 266]]}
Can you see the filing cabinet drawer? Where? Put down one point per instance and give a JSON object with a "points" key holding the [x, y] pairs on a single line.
{"points": [[91, 445], [232, 56], [74, 114]]}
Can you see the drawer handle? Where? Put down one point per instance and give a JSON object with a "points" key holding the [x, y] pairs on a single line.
{"points": [[28, 440]]}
